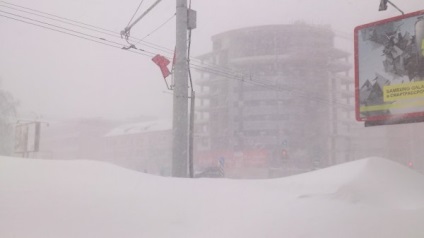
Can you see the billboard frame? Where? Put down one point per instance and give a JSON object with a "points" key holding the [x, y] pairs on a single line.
{"points": [[381, 119], [28, 139]]}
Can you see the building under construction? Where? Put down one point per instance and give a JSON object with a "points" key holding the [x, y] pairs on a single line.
{"points": [[273, 100]]}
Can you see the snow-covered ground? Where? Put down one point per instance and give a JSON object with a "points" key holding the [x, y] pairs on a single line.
{"points": [[54, 199]]}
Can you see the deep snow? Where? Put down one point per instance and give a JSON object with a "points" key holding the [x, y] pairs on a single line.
{"points": [[367, 198]]}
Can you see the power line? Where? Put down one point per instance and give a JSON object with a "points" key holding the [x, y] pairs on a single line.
{"points": [[62, 21], [84, 34], [52, 15], [71, 22], [138, 8], [279, 88], [86, 26], [167, 51], [121, 46], [213, 70], [59, 27], [81, 24], [102, 31], [75, 35], [71, 30], [67, 33], [231, 74], [157, 28], [126, 32]]}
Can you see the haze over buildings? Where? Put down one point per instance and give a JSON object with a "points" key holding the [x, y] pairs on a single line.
{"points": [[281, 100], [54, 74]]}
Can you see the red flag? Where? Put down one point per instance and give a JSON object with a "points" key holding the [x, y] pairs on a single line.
{"points": [[162, 62]]}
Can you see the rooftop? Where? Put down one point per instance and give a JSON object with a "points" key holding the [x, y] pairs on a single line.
{"points": [[141, 127]]}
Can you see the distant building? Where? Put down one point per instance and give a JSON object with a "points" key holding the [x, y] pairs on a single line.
{"points": [[144, 146], [74, 139], [286, 109]]}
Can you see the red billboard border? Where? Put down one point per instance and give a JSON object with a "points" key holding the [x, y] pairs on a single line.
{"points": [[356, 30]]}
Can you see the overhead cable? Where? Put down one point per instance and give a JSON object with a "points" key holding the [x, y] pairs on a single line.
{"points": [[138, 8], [56, 16], [97, 29], [81, 36], [81, 24], [157, 28], [213, 70], [126, 32], [59, 27]]}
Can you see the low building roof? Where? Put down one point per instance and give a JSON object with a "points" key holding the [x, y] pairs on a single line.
{"points": [[141, 127]]}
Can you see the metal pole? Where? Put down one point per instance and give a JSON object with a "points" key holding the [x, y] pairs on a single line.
{"points": [[396, 7], [128, 28], [190, 157], [180, 107]]}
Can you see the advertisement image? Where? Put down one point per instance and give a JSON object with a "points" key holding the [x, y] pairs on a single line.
{"points": [[389, 57]]}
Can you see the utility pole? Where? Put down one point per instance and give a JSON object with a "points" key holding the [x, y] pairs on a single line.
{"points": [[191, 135], [180, 106]]}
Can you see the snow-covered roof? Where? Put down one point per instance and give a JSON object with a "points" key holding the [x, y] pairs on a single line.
{"points": [[370, 198], [141, 127]]}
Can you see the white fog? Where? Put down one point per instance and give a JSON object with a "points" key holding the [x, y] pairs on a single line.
{"points": [[307, 121]]}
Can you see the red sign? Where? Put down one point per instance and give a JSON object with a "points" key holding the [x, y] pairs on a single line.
{"points": [[247, 158], [163, 63]]}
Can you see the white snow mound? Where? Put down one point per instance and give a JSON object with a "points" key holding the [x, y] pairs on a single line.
{"points": [[367, 198]]}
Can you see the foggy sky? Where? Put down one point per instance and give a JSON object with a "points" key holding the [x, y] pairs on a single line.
{"points": [[55, 74]]}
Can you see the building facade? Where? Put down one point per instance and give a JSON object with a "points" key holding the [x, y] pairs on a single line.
{"points": [[143, 146], [273, 100]]}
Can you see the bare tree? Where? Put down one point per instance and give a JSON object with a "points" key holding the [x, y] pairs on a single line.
{"points": [[7, 119]]}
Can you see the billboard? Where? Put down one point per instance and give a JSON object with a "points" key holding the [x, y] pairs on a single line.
{"points": [[21, 138], [27, 137], [389, 68]]}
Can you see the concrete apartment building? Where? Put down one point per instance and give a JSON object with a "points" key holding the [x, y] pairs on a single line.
{"points": [[276, 96]]}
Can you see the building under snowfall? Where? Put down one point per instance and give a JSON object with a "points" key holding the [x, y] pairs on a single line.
{"points": [[273, 100]]}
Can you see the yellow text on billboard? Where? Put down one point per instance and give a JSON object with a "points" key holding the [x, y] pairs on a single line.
{"points": [[403, 91]]}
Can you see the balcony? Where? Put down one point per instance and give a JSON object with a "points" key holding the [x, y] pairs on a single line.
{"points": [[346, 93], [339, 66], [343, 79]]}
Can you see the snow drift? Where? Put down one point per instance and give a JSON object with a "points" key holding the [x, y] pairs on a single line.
{"points": [[367, 198]]}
